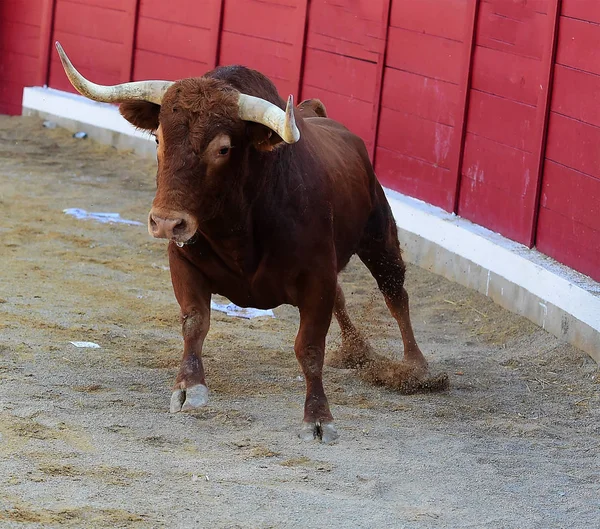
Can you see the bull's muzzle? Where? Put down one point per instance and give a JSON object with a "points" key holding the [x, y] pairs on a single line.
{"points": [[178, 227]]}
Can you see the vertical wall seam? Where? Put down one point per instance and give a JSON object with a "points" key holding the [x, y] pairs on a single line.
{"points": [[130, 51], [219, 34], [460, 126], [380, 80], [549, 61], [46, 34], [303, 54]]}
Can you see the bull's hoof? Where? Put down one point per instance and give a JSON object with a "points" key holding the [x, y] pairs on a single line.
{"points": [[324, 431], [189, 398]]}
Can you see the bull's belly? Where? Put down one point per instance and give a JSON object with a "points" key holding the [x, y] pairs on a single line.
{"points": [[253, 293]]}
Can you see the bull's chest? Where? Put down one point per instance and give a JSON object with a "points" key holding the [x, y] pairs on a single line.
{"points": [[242, 275]]}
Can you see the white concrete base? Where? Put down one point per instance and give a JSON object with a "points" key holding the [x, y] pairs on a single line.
{"points": [[101, 121], [562, 301]]}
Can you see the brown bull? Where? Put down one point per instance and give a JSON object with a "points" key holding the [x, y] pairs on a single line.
{"points": [[265, 207]]}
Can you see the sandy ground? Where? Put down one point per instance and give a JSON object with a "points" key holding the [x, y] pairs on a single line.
{"points": [[86, 439]]}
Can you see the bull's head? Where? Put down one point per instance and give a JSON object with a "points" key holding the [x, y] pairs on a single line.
{"points": [[202, 130]]}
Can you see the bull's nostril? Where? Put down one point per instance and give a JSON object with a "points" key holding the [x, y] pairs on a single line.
{"points": [[179, 227]]}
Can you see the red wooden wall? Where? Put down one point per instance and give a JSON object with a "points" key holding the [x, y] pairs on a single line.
{"points": [[420, 99], [488, 108], [569, 217], [176, 38], [506, 116], [24, 27], [343, 61]]}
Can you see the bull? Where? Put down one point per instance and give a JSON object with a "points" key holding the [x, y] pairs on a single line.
{"points": [[265, 204]]}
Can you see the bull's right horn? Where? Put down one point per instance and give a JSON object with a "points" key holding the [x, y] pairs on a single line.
{"points": [[261, 111], [152, 91]]}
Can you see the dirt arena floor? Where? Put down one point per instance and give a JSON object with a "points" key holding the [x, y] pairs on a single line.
{"points": [[86, 439]]}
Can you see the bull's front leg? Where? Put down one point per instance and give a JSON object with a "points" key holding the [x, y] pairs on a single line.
{"points": [[193, 296], [316, 306]]}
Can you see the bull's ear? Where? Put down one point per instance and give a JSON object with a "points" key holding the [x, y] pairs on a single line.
{"points": [[263, 138], [141, 114], [312, 108]]}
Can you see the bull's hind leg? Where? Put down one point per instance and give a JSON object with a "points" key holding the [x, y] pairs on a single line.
{"points": [[380, 252], [193, 296], [354, 351]]}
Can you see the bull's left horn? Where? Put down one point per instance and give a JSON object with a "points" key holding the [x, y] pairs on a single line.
{"points": [[261, 111], [152, 91]]}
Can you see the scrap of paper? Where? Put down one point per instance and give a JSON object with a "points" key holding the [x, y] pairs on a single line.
{"points": [[115, 218], [88, 345], [240, 312]]}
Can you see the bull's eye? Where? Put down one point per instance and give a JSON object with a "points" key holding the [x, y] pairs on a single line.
{"points": [[155, 138], [224, 151]]}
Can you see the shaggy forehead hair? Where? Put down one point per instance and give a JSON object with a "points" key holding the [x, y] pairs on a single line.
{"points": [[199, 107]]}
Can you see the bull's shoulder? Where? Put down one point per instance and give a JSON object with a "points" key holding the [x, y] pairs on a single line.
{"points": [[326, 131]]}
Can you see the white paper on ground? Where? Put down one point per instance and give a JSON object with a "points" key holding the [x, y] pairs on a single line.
{"points": [[240, 312], [89, 345], [100, 217]]}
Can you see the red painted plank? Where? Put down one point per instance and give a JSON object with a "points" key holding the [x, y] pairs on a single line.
{"points": [[507, 75], [98, 56], [115, 5], [90, 21], [266, 20], [520, 34], [150, 65], [19, 38], [578, 45], [199, 13], [271, 58], [354, 114], [498, 165], [569, 242], [502, 120], [15, 66], [572, 194], [494, 208], [414, 94], [267, 36], [21, 11], [345, 50], [582, 9], [518, 9], [11, 95], [185, 42], [348, 27], [344, 75], [583, 103], [407, 50], [410, 135], [12, 109], [574, 144], [445, 18], [97, 60], [413, 177]]}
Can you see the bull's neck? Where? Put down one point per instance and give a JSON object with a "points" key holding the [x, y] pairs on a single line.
{"points": [[254, 191]]}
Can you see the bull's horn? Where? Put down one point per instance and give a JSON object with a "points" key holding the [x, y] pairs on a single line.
{"points": [[152, 91], [261, 111]]}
